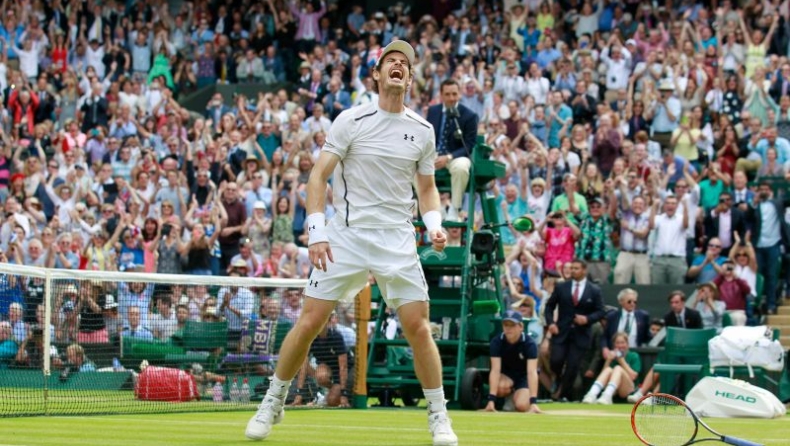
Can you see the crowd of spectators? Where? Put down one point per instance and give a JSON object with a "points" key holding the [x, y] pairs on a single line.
{"points": [[650, 140]]}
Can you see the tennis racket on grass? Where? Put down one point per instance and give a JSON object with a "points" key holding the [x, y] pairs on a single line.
{"points": [[665, 420]]}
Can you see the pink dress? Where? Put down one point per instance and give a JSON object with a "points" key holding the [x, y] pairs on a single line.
{"points": [[559, 247], [149, 258]]}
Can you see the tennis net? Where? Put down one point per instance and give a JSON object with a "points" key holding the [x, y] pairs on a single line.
{"points": [[93, 342]]}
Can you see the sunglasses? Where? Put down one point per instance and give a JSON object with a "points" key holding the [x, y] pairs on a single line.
{"points": [[714, 246], [631, 301], [741, 254], [725, 200]]}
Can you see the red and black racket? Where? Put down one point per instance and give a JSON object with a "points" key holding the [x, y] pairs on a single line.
{"points": [[660, 419]]}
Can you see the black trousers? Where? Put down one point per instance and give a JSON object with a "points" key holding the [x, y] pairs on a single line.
{"points": [[565, 359]]}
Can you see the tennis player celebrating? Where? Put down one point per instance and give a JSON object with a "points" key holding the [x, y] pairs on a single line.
{"points": [[374, 150]]}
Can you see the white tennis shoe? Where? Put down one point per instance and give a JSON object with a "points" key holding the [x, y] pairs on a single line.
{"points": [[634, 397], [270, 412], [441, 428], [588, 399], [606, 400]]}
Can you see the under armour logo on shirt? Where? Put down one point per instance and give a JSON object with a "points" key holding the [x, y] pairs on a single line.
{"points": [[314, 283], [311, 228], [406, 137]]}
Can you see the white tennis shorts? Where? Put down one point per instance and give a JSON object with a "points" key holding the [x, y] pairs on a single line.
{"points": [[389, 254]]}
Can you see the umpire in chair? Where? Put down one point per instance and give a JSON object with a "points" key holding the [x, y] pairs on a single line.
{"points": [[455, 128]]}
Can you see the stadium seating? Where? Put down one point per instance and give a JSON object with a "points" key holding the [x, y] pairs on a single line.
{"points": [[684, 359]]}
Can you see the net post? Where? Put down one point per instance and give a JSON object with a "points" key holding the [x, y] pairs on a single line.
{"points": [[361, 355], [47, 360]]}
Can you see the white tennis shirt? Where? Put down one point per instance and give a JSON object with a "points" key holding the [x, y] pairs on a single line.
{"points": [[380, 152]]}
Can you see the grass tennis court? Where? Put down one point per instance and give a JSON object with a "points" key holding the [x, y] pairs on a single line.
{"points": [[562, 424]]}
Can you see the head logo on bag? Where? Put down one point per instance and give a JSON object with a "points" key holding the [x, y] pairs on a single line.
{"points": [[735, 396]]}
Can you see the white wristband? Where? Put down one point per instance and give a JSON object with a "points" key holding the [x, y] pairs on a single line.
{"points": [[432, 220], [316, 228]]}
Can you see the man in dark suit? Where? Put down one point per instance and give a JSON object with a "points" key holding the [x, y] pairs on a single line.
{"points": [[464, 40], [455, 128], [580, 305], [769, 235], [781, 86], [94, 109], [680, 315], [630, 320], [216, 109], [727, 216], [312, 90]]}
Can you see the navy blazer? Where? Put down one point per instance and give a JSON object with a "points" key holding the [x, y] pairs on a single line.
{"points": [[737, 223], [642, 320], [468, 123], [755, 216], [590, 305]]}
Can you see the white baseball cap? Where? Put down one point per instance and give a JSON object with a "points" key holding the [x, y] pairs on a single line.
{"points": [[400, 46]]}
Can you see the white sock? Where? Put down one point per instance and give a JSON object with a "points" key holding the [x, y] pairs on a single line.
{"points": [[608, 392], [435, 398], [278, 388], [596, 388]]}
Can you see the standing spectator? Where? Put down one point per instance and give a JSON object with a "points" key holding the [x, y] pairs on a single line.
{"points": [[336, 99], [665, 112], [559, 238], [250, 69], [594, 242], [95, 109], [579, 305], [309, 32], [237, 305], [669, 264], [771, 232], [571, 201], [734, 292], [237, 215], [724, 221], [633, 261]]}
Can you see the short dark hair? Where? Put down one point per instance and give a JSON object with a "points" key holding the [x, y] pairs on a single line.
{"points": [[447, 83], [677, 293], [581, 262]]}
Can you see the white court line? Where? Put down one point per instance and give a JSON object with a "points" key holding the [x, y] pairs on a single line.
{"points": [[335, 427]]}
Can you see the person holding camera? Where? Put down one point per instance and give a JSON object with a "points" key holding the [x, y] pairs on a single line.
{"points": [[621, 367], [733, 291], [31, 352], [560, 234], [92, 328]]}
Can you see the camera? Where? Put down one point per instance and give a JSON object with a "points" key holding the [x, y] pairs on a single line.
{"points": [[618, 354], [167, 228]]}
